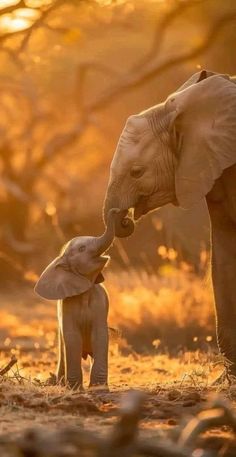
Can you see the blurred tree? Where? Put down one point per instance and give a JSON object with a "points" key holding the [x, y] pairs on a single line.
{"points": [[65, 66]]}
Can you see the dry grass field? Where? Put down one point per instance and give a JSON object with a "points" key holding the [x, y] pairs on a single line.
{"points": [[153, 314]]}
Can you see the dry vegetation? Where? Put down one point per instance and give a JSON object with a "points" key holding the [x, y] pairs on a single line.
{"points": [[146, 309], [71, 72]]}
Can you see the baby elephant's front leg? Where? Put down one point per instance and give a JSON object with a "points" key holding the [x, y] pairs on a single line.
{"points": [[73, 355], [99, 371], [60, 373]]}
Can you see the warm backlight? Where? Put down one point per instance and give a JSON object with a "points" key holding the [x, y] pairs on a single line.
{"points": [[19, 20]]}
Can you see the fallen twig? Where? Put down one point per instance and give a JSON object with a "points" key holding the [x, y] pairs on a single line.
{"points": [[220, 414], [123, 441], [10, 364]]}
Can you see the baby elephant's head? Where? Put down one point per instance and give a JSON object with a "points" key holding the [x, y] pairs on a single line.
{"points": [[79, 266]]}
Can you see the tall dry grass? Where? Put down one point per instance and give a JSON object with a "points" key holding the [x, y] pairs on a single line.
{"points": [[166, 311], [171, 309]]}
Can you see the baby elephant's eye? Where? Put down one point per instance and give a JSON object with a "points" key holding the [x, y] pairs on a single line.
{"points": [[82, 248], [137, 171]]}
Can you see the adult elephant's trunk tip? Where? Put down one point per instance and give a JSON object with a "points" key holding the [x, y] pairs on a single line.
{"points": [[124, 226]]}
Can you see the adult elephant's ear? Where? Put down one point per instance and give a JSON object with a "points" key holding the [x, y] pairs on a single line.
{"points": [[58, 282], [204, 123], [196, 78]]}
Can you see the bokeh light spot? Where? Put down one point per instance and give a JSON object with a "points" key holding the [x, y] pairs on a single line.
{"points": [[50, 209], [37, 3], [19, 20], [5, 3]]}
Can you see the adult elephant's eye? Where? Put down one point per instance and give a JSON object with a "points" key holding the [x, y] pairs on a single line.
{"points": [[137, 171], [82, 248]]}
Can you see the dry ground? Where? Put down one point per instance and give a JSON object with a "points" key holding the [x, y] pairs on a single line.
{"points": [[177, 385]]}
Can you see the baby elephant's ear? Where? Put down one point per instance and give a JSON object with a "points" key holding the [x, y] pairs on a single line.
{"points": [[57, 282]]}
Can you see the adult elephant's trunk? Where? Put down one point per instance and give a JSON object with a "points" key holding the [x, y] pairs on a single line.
{"points": [[124, 226]]}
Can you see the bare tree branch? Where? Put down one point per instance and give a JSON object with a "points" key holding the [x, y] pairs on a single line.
{"points": [[21, 247], [133, 79], [220, 414], [13, 56], [159, 34], [142, 72], [83, 70], [130, 81], [57, 143], [11, 8], [36, 24], [123, 439], [14, 189]]}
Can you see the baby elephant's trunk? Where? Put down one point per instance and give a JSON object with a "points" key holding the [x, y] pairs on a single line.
{"points": [[104, 242]]}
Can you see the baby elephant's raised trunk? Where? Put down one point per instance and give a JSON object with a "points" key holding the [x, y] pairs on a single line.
{"points": [[104, 242]]}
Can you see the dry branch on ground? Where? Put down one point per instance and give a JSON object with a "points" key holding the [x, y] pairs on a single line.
{"points": [[124, 440], [10, 364]]}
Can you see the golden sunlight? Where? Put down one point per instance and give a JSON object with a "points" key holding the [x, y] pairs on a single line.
{"points": [[27, 13], [37, 3], [20, 19], [71, 73], [5, 3], [50, 209], [28, 3]]}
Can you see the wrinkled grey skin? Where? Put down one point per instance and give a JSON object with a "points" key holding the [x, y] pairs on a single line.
{"points": [[221, 202], [73, 278], [180, 152]]}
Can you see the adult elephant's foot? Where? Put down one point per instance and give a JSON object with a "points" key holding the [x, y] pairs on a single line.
{"points": [[100, 388], [74, 385]]}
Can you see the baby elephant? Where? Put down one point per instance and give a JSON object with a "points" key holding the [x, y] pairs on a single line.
{"points": [[74, 279]]}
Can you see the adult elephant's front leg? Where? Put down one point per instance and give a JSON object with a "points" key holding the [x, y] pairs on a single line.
{"points": [[99, 371], [223, 230]]}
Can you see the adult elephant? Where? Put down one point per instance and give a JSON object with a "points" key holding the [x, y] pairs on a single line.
{"points": [[179, 152]]}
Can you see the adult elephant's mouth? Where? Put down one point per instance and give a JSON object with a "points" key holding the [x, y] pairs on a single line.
{"points": [[124, 223], [145, 204], [141, 208]]}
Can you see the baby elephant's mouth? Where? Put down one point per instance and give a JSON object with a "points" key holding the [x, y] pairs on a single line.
{"points": [[104, 257], [102, 260]]}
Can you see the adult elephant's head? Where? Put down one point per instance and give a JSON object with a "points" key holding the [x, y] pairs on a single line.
{"points": [[174, 152]]}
